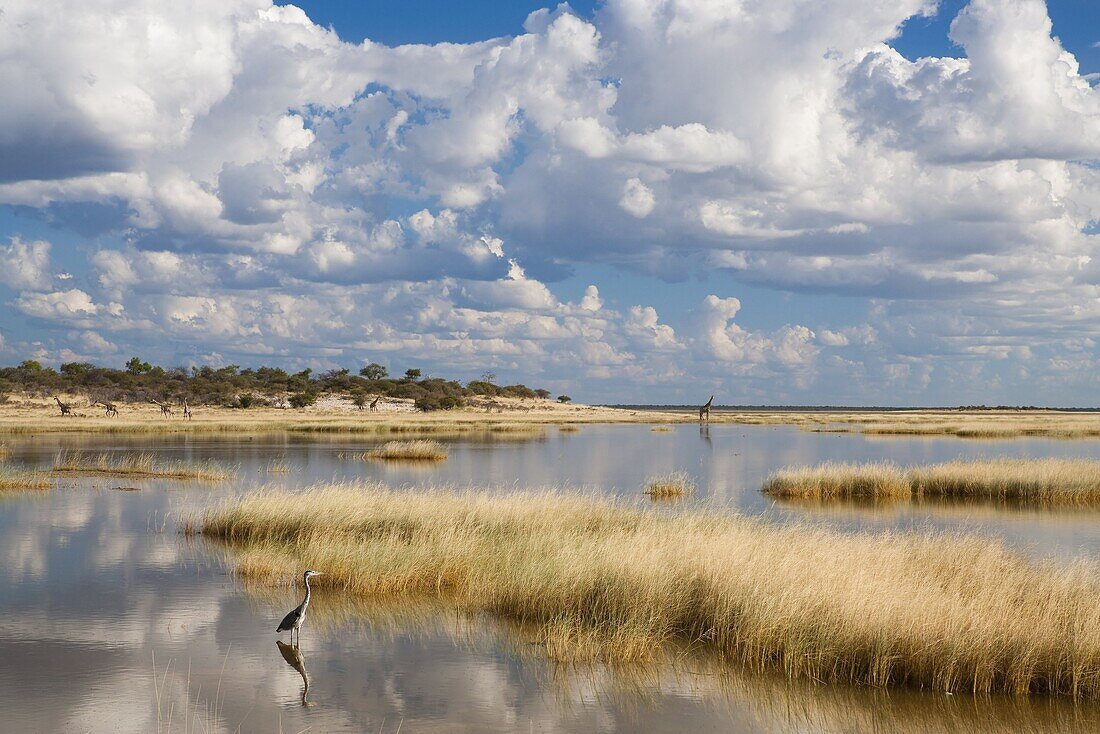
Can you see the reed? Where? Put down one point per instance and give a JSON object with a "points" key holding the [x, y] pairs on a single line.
{"points": [[407, 451], [943, 612], [136, 465], [516, 428], [669, 486], [838, 481], [12, 478], [1050, 481], [278, 466]]}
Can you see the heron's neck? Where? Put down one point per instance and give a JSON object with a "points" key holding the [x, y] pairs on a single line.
{"points": [[306, 602]]}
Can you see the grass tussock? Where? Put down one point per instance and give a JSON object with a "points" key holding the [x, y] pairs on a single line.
{"points": [[407, 451], [12, 479], [137, 465], [1038, 481], [516, 428], [669, 486], [839, 481], [661, 429], [278, 466], [943, 612], [568, 428]]}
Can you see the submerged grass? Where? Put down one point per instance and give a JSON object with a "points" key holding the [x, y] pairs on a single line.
{"points": [[669, 486], [1039, 481], [278, 466], [136, 465], [407, 451], [944, 612]]}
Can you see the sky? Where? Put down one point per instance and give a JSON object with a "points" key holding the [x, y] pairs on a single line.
{"points": [[851, 202]]}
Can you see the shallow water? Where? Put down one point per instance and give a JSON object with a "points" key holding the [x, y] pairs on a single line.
{"points": [[100, 596]]}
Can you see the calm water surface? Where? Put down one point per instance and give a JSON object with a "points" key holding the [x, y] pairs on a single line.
{"points": [[110, 621]]}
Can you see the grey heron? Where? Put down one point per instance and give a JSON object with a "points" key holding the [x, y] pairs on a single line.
{"points": [[293, 620]]}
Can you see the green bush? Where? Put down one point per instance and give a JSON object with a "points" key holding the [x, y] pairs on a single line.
{"points": [[302, 399], [233, 386], [429, 403], [374, 371]]}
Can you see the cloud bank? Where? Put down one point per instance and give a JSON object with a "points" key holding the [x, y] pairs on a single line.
{"points": [[263, 191]]}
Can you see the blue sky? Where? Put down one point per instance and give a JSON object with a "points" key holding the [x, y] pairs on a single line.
{"points": [[630, 200]]}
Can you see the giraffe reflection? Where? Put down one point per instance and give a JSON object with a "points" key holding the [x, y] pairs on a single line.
{"points": [[293, 657]]}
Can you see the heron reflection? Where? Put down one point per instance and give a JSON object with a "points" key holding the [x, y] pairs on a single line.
{"points": [[293, 657]]}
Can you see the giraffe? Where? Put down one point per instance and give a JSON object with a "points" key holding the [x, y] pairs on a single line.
{"points": [[66, 409], [165, 408], [374, 404], [112, 409], [705, 410], [186, 411]]}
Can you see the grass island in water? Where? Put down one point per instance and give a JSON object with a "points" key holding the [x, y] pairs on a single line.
{"points": [[607, 581], [1051, 481]]}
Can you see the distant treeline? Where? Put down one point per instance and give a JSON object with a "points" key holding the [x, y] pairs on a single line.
{"points": [[232, 386]]}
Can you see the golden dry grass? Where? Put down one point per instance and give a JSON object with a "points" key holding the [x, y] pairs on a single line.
{"points": [[669, 486], [12, 478], [1050, 481], [407, 451], [661, 429], [516, 428], [833, 480], [568, 428], [136, 465], [278, 466], [779, 705], [943, 612]]}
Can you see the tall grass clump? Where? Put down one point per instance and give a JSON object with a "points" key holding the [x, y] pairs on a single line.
{"points": [[1045, 481], [16, 479], [516, 428], [278, 466], [838, 481], [669, 486], [1036, 481], [136, 465], [942, 612], [408, 451]]}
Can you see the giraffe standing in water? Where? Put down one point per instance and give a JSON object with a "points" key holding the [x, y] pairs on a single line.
{"points": [[705, 410]]}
